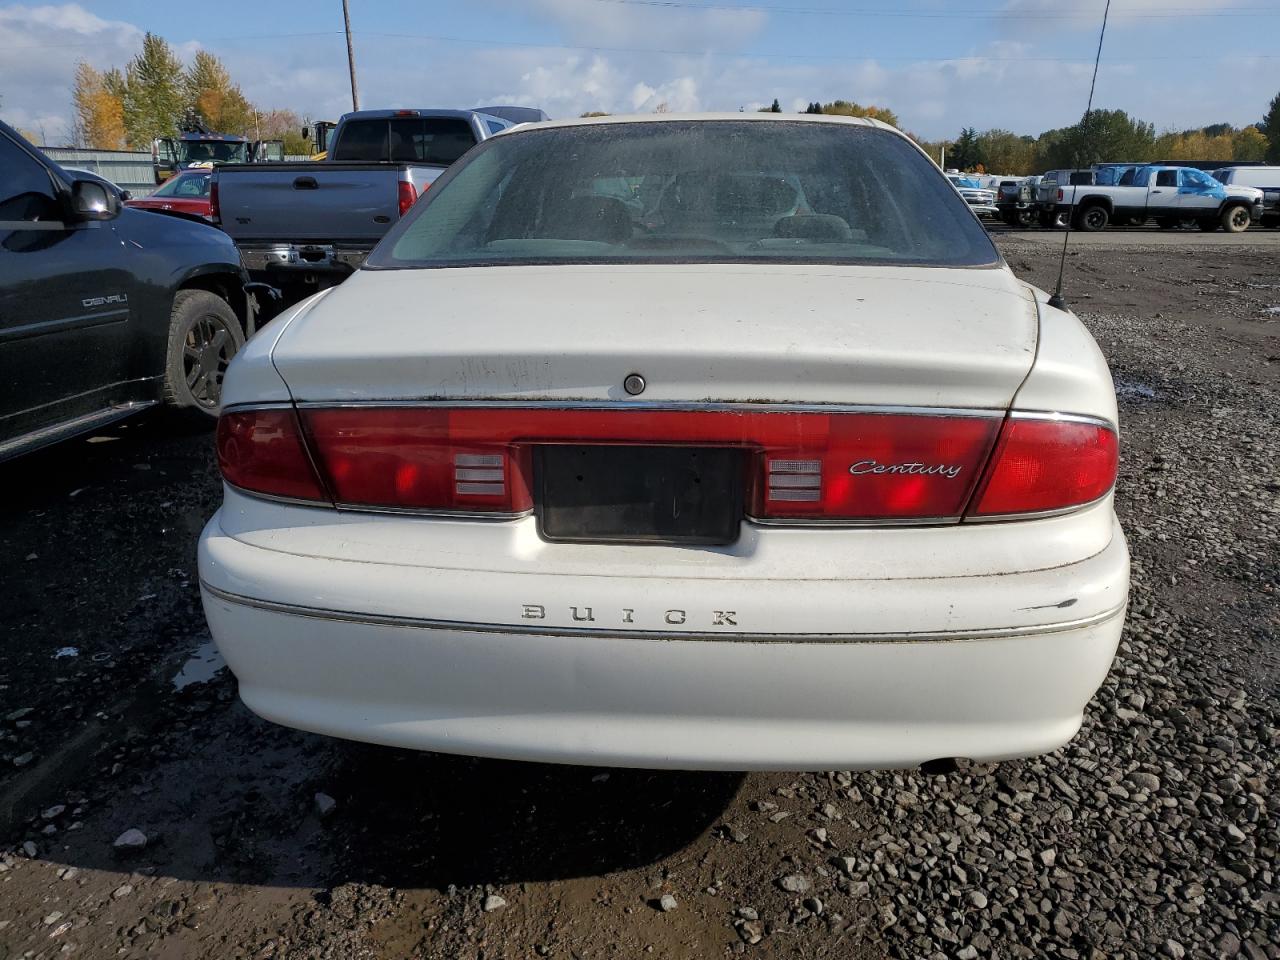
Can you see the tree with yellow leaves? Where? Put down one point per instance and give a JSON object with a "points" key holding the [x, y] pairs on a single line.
{"points": [[99, 111], [213, 95]]}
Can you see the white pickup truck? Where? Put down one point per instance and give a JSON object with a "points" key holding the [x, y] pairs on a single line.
{"points": [[1168, 194]]}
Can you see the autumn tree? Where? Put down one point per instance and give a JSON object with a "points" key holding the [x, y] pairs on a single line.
{"points": [[154, 92], [284, 125], [847, 108], [99, 111], [212, 95], [1250, 144]]}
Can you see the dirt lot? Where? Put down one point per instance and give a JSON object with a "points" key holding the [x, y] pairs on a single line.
{"points": [[1153, 833]]}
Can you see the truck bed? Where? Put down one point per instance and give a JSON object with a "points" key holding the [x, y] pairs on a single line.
{"points": [[320, 201]]}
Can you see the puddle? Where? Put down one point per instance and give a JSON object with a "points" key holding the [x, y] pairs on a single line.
{"points": [[201, 667], [1134, 390]]}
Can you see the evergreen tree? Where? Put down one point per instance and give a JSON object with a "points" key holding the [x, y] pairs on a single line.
{"points": [[966, 152], [154, 98], [776, 107], [1270, 127]]}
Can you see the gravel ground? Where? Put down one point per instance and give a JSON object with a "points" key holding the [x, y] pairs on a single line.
{"points": [[142, 820]]}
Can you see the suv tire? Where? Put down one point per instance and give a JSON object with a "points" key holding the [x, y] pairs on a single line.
{"points": [[204, 334]]}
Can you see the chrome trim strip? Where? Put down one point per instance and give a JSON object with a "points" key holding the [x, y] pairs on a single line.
{"points": [[685, 406], [661, 405], [1041, 514], [490, 515], [468, 626], [1064, 417], [819, 523]]}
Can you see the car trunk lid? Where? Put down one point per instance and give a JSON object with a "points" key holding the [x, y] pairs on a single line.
{"points": [[736, 333]]}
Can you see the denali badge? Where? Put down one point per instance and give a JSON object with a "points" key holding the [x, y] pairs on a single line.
{"points": [[103, 301], [863, 467]]}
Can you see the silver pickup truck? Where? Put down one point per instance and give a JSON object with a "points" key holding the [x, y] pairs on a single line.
{"points": [[1134, 193], [312, 223]]}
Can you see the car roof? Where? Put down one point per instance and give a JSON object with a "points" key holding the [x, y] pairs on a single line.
{"points": [[753, 117]]}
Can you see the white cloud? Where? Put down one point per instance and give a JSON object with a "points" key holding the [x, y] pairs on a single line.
{"points": [[1001, 85], [609, 23], [41, 47]]}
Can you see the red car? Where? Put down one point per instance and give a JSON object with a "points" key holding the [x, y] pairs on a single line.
{"points": [[188, 192]]}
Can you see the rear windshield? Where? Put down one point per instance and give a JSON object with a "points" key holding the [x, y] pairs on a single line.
{"points": [[438, 140], [683, 191]]}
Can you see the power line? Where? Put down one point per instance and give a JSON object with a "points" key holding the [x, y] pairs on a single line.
{"points": [[747, 55], [704, 53], [989, 13]]}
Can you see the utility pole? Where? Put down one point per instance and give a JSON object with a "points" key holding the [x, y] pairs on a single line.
{"points": [[351, 57]]}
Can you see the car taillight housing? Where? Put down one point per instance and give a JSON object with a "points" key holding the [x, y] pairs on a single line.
{"points": [[408, 196], [1045, 464], [805, 465], [262, 451], [215, 213]]}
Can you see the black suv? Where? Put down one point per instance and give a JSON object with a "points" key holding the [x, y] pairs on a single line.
{"points": [[105, 310]]}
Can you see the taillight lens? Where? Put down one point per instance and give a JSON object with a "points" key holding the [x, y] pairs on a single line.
{"points": [[1048, 464], [408, 196], [262, 451], [872, 467], [215, 213], [805, 465], [422, 459]]}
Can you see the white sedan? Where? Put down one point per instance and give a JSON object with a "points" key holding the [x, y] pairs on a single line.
{"points": [[716, 442]]}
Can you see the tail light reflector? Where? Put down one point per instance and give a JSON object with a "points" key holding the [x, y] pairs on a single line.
{"points": [[215, 212], [805, 465], [1047, 464], [262, 451], [408, 196]]}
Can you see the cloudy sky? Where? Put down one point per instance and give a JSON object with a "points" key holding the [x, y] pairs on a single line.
{"points": [[1019, 64]]}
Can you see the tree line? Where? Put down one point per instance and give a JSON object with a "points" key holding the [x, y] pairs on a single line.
{"points": [[1108, 135], [155, 94]]}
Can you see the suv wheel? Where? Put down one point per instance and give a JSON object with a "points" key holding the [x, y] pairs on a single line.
{"points": [[1093, 218], [1235, 219], [204, 334]]}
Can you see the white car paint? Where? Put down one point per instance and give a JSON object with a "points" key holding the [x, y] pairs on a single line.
{"points": [[791, 648]]}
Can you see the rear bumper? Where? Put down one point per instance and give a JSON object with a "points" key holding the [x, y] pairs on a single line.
{"points": [[607, 694], [291, 258]]}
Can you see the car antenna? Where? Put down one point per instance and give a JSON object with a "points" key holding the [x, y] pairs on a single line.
{"points": [[1057, 299]]}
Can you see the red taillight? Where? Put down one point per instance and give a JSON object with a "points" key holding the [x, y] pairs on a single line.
{"points": [[422, 459], [872, 467], [408, 196], [1059, 196], [1047, 464], [262, 451], [215, 214], [804, 465]]}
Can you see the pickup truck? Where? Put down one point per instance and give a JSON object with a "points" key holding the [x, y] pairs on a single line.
{"points": [[312, 223], [1168, 194]]}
